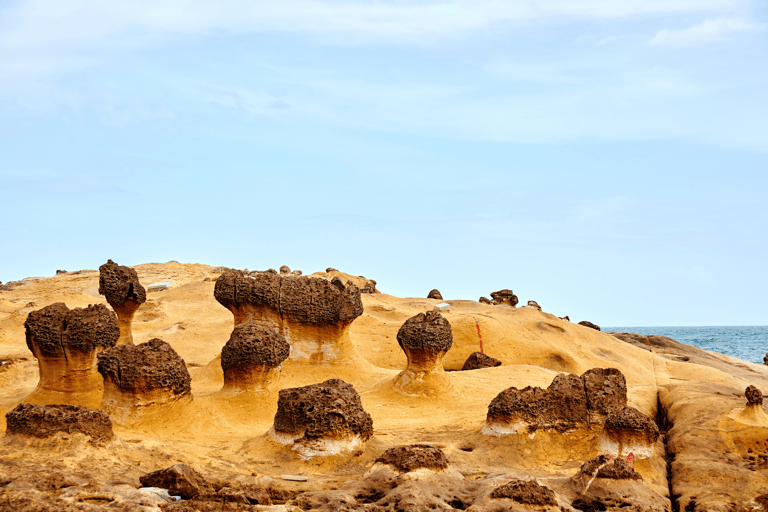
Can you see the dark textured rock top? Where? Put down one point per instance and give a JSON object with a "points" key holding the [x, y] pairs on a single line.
{"points": [[430, 331], [435, 294], [632, 420], [302, 299], [254, 344], [46, 420], [528, 493], [81, 329], [415, 456], [754, 396], [605, 466], [606, 389], [484, 300], [504, 296], [478, 360], [533, 304], [327, 409], [144, 367], [589, 324], [285, 269], [119, 284], [179, 479]]}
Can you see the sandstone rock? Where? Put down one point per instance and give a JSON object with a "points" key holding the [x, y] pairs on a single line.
{"points": [[179, 479], [120, 285], [533, 304], [504, 297], [44, 421], [566, 318], [142, 375], [478, 360], [485, 300], [754, 396], [527, 492], [606, 391], [586, 323], [627, 430], [413, 457], [330, 269], [65, 343], [425, 338], [370, 287], [322, 419], [435, 294], [252, 357], [285, 269]]}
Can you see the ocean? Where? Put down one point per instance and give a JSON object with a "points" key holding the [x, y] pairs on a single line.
{"points": [[749, 342]]}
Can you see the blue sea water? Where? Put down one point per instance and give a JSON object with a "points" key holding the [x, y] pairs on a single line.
{"points": [[749, 342]]}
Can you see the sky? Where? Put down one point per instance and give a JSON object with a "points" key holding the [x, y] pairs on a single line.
{"points": [[606, 159]]}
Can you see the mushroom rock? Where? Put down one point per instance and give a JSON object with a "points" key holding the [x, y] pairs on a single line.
{"points": [[66, 342], [285, 269], [627, 430], [586, 323], [435, 294], [562, 406], [533, 304], [120, 285], [425, 339], [504, 297], [606, 392], [43, 421], [753, 413], [485, 300], [179, 480], [405, 459], [321, 420], [312, 313], [527, 492], [140, 376], [252, 357], [477, 360]]}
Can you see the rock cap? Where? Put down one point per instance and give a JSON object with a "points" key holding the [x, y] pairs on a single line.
{"points": [[413, 457], [44, 421], [428, 331], [435, 294], [56, 327], [754, 396], [253, 344], [145, 367], [120, 284]]}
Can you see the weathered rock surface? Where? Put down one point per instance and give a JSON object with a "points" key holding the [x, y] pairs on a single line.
{"points": [[484, 300], [65, 343], [533, 304], [754, 396], [606, 391], [252, 357], [477, 360], [527, 492], [42, 421], [413, 457], [504, 297], [626, 431], [589, 324], [120, 286], [425, 338], [435, 294], [285, 269], [179, 479]]}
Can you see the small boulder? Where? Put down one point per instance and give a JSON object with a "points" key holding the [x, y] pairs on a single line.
{"points": [[504, 297], [485, 300], [285, 269], [533, 304], [179, 479], [754, 396], [527, 492], [370, 287], [252, 357], [42, 421], [412, 457], [566, 318], [586, 323], [435, 294], [628, 430], [477, 360]]}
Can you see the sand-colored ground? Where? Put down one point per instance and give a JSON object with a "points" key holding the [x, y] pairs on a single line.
{"points": [[225, 435]]}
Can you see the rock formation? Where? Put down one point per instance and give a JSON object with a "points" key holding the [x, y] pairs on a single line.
{"points": [[566, 318], [569, 402], [626, 431], [140, 376], [312, 313], [435, 294], [533, 304], [252, 357], [42, 421], [504, 297], [478, 360], [285, 269], [586, 323], [120, 285], [527, 492], [484, 300], [370, 287], [322, 419], [754, 396], [416, 456], [66, 343], [425, 338], [179, 480]]}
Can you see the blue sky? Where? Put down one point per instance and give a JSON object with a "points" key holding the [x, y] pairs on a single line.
{"points": [[606, 159]]}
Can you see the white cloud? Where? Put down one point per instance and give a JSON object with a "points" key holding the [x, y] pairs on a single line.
{"points": [[708, 31]]}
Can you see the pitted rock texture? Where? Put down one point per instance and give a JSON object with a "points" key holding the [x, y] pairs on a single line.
{"points": [[413, 457], [589, 324], [285, 269], [435, 294], [252, 345], [631, 421], [485, 300], [303, 299], [145, 367], [478, 360], [330, 409], [504, 297], [46, 420], [179, 480], [56, 327], [606, 390], [754, 396], [527, 492], [120, 284], [533, 304], [429, 332]]}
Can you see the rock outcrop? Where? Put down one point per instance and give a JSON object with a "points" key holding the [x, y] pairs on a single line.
{"points": [[628, 430], [527, 492], [66, 343], [179, 480], [412, 457], [477, 360], [589, 324], [139, 376], [322, 419], [435, 294], [312, 313], [425, 339], [533, 304], [484, 300], [504, 297], [252, 357], [120, 286], [43, 421], [569, 402]]}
